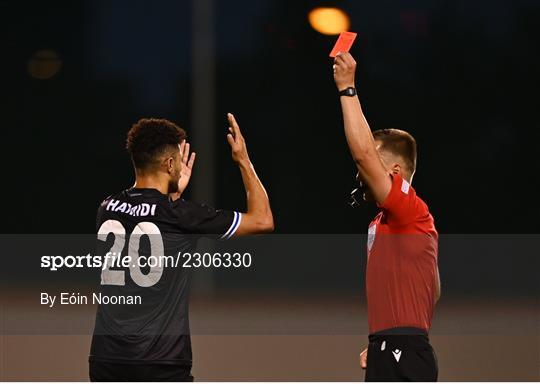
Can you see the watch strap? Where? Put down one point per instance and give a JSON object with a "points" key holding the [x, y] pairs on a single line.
{"points": [[349, 91]]}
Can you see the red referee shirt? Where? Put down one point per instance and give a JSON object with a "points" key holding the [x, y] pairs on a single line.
{"points": [[401, 270]]}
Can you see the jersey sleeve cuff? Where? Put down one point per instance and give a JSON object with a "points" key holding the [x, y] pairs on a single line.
{"points": [[237, 219]]}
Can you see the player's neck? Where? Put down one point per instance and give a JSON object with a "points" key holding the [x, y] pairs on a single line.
{"points": [[152, 181]]}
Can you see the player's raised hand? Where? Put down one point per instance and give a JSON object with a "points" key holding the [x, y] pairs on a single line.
{"points": [[236, 141], [344, 70], [363, 359], [187, 166]]}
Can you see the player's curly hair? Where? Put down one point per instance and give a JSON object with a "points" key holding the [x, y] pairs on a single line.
{"points": [[148, 139]]}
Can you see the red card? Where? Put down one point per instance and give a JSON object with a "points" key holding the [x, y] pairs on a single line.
{"points": [[343, 43]]}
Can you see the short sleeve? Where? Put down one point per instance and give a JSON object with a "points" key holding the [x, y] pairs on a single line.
{"points": [[203, 219], [402, 206]]}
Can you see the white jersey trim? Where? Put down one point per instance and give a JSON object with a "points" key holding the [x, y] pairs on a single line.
{"points": [[237, 219]]}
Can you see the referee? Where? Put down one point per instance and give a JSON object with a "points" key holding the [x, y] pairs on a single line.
{"points": [[402, 277]]}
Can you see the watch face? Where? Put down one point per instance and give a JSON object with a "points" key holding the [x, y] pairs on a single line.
{"points": [[349, 92]]}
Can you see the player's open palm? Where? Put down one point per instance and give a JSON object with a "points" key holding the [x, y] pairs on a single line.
{"points": [[236, 141], [187, 166]]}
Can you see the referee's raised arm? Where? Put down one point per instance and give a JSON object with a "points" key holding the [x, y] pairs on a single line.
{"points": [[371, 169], [258, 218]]}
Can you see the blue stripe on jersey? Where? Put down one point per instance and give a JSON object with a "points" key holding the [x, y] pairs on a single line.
{"points": [[234, 226]]}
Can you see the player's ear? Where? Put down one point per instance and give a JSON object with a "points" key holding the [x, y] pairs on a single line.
{"points": [[170, 164]]}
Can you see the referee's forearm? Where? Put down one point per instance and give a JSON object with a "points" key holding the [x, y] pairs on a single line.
{"points": [[258, 204], [357, 131]]}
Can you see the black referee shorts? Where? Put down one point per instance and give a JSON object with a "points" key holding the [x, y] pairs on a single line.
{"points": [[101, 371], [401, 354]]}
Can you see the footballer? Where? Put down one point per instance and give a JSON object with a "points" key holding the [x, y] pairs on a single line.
{"points": [[151, 341]]}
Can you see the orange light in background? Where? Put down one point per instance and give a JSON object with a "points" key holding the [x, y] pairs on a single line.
{"points": [[44, 64], [329, 21]]}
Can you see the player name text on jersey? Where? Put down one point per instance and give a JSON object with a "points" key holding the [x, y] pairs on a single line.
{"points": [[143, 209]]}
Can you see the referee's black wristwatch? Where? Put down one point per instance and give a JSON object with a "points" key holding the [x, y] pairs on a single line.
{"points": [[349, 91]]}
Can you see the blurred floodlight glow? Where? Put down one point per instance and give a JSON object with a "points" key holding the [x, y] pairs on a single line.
{"points": [[44, 64], [329, 21]]}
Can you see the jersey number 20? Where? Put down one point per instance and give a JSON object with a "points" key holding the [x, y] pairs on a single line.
{"points": [[109, 277]]}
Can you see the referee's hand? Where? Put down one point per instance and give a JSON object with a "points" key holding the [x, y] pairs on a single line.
{"points": [[236, 141], [363, 359], [344, 70]]}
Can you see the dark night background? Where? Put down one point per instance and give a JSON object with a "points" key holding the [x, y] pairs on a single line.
{"points": [[461, 76]]}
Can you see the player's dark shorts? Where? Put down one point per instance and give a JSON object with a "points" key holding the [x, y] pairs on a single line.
{"points": [[101, 371], [401, 354]]}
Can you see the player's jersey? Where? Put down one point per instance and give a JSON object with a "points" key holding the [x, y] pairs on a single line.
{"points": [[141, 223], [401, 274]]}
